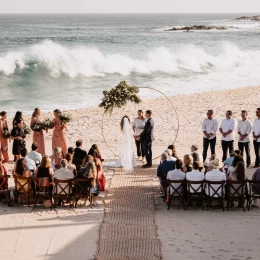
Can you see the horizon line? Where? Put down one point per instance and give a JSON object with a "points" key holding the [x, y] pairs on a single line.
{"points": [[132, 13]]}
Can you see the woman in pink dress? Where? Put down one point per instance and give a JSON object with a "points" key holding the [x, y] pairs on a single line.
{"points": [[4, 141], [38, 136], [59, 133]]}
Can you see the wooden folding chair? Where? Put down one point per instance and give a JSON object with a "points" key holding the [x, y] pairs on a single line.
{"points": [[175, 192], [215, 193], [43, 189], [63, 190], [253, 192], [23, 189], [236, 190], [83, 190], [4, 188], [197, 193]]}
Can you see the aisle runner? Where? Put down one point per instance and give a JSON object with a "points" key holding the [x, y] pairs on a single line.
{"points": [[129, 230]]}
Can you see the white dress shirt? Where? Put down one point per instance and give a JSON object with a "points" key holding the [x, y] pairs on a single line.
{"points": [[244, 127], [176, 174], [210, 127], [215, 175], [138, 125], [30, 164], [36, 157], [256, 128], [195, 175], [226, 125]]}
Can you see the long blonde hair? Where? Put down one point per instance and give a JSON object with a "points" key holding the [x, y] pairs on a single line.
{"points": [[188, 160], [35, 112], [56, 152], [46, 162]]}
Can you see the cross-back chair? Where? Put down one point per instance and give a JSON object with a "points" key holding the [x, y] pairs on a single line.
{"points": [[215, 191], [4, 187], [83, 190], [63, 190], [195, 190], [23, 189], [253, 192], [177, 191]]}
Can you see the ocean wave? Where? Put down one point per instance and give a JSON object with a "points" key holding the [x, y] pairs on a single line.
{"points": [[72, 62]]}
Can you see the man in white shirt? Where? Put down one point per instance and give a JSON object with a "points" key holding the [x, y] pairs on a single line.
{"points": [[195, 175], [209, 128], [30, 164], [244, 129], [214, 175], [227, 130], [33, 155], [194, 149], [256, 136]]}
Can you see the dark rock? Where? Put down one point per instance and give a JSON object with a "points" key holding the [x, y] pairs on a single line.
{"points": [[197, 28], [251, 18]]}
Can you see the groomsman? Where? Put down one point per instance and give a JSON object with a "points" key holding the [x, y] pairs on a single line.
{"points": [[227, 128], [244, 129], [256, 136], [209, 128]]}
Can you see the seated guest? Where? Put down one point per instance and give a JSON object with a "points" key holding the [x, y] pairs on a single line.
{"points": [[163, 170], [56, 158], [70, 165], [71, 150], [228, 162], [196, 158], [30, 164], [44, 169], [94, 151], [256, 177], [3, 172], [236, 160], [174, 152], [20, 169], [79, 154], [195, 175], [176, 174], [34, 155], [214, 175], [169, 153], [188, 161], [194, 149]]}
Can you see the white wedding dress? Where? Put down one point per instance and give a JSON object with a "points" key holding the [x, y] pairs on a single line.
{"points": [[127, 158]]}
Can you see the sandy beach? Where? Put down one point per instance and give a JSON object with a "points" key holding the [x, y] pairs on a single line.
{"points": [[193, 234]]}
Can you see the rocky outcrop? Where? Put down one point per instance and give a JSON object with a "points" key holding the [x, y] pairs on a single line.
{"points": [[251, 18], [197, 28]]}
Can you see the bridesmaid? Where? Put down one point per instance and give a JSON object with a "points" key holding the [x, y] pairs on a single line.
{"points": [[38, 136], [59, 133], [4, 141]]}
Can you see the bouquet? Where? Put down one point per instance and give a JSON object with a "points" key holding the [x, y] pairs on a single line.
{"points": [[6, 134], [47, 124], [37, 127], [65, 118], [26, 130]]}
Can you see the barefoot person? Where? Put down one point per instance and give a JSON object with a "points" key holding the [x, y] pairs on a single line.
{"points": [[138, 126], [147, 137], [38, 136], [4, 141], [256, 136], [59, 134]]}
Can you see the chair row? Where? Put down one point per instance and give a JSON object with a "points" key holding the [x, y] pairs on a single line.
{"points": [[207, 191], [30, 190]]}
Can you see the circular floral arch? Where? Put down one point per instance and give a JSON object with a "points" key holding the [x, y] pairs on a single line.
{"points": [[173, 107]]}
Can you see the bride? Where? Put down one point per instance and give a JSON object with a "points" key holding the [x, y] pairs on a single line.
{"points": [[127, 159]]}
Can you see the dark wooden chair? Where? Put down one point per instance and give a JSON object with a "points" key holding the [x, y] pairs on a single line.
{"points": [[23, 189], [236, 190], [83, 190], [176, 192], [42, 190], [63, 191], [253, 192], [215, 191], [4, 188], [195, 193]]}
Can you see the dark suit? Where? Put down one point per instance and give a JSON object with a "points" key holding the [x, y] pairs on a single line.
{"points": [[147, 138], [163, 169]]}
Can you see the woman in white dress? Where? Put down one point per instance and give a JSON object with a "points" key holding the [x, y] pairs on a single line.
{"points": [[127, 159]]}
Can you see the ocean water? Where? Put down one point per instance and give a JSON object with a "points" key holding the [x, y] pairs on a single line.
{"points": [[66, 61]]}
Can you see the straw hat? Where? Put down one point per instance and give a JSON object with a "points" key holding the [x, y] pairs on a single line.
{"points": [[214, 164]]}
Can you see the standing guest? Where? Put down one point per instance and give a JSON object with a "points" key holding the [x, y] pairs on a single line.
{"points": [[4, 141], [20, 168], [209, 128], [188, 162], [59, 133], [38, 136], [79, 154], [44, 169], [138, 126], [174, 152], [227, 130], [169, 153], [56, 158], [194, 149], [71, 151], [18, 135], [147, 137], [256, 136], [3, 172], [195, 175], [244, 129], [70, 165], [34, 155], [30, 164]]}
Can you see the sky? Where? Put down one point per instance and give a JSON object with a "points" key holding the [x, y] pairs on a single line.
{"points": [[130, 6]]}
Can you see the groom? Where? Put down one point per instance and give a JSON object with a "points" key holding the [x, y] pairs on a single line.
{"points": [[147, 138]]}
